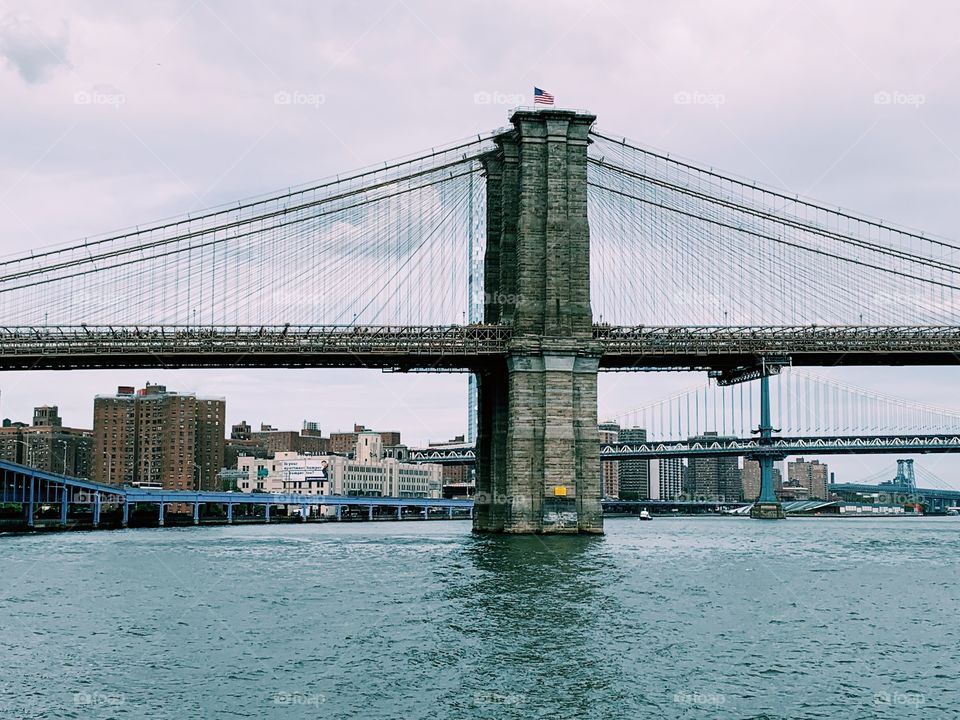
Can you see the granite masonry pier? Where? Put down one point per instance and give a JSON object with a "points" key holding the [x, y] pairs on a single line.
{"points": [[538, 461]]}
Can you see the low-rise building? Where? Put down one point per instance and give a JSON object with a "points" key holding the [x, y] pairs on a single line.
{"points": [[458, 480], [306, 441], [810, 474], [47, 445], [793, 491], [343, 443], [368, 473]]}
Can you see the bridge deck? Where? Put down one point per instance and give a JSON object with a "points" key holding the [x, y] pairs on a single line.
{"points": [[65, 348], [737, 447], [16, 481], [467, 347], [719, 347]]}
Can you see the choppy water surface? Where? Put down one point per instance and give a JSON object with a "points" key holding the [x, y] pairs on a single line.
{"points": [[675, 618]]}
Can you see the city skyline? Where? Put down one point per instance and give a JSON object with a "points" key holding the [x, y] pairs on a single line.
{"points": [[363, 408], [273, 438]]}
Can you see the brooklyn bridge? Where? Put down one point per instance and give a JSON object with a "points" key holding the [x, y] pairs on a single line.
{"points": [[533, 257]]}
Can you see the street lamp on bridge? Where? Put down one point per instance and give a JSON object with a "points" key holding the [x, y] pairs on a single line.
{"points": [[63, 466], [29, 453]]}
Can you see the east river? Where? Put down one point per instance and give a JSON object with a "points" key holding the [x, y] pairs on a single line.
{"points": [[674, 618]]}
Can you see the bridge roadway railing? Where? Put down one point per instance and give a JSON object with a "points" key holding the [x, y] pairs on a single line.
{"points": [[257, 346], [732, 446], [710, 347], [461, 346], [134, 496], [784, 446]]}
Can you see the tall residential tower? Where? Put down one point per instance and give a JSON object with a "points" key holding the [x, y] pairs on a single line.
{"points": [[158, 438]]}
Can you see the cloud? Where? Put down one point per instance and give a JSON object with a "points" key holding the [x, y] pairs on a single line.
{"points": [[35, 55]]}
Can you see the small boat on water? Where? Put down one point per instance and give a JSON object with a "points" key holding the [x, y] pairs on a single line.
{"points": [[644, 515]]}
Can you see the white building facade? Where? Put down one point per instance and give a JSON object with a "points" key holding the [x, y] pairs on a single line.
{"points": [[369, 474], [666, 478]]}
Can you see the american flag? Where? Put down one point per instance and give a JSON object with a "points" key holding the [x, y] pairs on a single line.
{"points": [[542, 98]]}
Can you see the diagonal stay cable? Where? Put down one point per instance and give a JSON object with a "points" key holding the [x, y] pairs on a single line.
{"points": [[775, 193], [427, 237], [221, 240], [781, 241], [805, 227], [214, 212], [226, 226]]}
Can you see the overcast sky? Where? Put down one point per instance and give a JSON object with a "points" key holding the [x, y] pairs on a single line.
{"points": [[115, 114]]}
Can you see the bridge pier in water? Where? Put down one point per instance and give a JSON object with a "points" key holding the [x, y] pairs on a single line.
{"points": [[30, 507], [538, 452], [767, 506]]}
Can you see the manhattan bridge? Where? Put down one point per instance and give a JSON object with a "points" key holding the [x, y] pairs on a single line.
{"points": [[534, 257]]}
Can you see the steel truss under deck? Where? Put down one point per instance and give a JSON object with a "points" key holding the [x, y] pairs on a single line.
{"points": [[466, 347]]}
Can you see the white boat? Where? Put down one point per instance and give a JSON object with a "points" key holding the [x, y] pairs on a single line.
{"points": [[644, 515]]}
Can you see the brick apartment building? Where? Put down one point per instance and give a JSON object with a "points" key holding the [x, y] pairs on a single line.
{"points": [[158, 438]]}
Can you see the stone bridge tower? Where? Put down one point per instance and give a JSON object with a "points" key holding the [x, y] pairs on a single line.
{"points": [[538, 459]]}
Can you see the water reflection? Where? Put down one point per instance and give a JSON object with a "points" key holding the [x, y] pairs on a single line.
{"points": [[533, 611]]}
